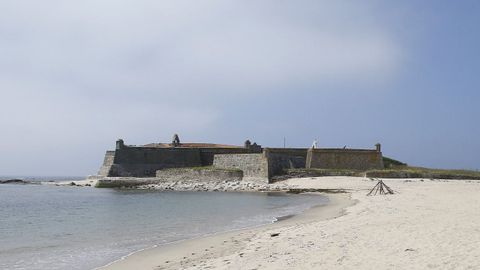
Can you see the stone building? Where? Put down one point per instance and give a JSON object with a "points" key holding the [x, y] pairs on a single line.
{"points": [[145, 160], [255, 161]]}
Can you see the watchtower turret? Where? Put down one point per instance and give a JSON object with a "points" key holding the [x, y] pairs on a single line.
{"points": [[175, 140], [120, 144]]}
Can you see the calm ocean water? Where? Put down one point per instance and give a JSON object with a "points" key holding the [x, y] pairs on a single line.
{"points": [[50, 227]]}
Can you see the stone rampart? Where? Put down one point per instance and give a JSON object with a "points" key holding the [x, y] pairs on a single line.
{"points": [[354, 159], [107, 163], [199, 175], [293, 152], [133, 161], [207, 154], [254, 166], [281, 159], [144, 161], [265, 165], [170, 157]]}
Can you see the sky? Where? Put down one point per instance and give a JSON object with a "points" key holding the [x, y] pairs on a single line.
{"points": [[77, 75]]}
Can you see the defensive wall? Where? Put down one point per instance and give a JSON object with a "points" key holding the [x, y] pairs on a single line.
{"points": [[199, 175], [254, 166], [354, 159], [255, 162], [262, 166], [142, 161], [280, 159], [107, 163]]}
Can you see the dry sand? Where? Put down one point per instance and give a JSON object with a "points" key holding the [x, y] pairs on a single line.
{"points": [[425, 225]]}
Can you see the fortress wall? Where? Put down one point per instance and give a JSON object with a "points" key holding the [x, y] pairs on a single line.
{"points": [[280, 159], [144, 161], [130, 161], [207, 154], [107, 163], [264, 165], [354, 159], [254, 166], [297, 152], [199, 175], [181, 157]]}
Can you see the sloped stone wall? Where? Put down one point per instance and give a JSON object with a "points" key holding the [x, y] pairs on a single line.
{"points": [[199, 175], [107, 164]]}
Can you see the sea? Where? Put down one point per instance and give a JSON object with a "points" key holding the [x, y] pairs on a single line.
{"points": [[44, 226]]}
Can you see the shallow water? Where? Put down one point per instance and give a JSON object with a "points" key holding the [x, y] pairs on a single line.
{"points": [[50, 227]]}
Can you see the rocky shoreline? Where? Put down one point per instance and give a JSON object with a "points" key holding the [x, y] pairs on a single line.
{"points": [[188, 185], [215, 186]]}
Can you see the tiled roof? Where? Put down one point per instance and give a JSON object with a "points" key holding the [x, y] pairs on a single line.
{"points": [[192, 145]]}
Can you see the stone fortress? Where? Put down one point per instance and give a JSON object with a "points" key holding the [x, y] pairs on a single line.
{"points": [[247, 162]]}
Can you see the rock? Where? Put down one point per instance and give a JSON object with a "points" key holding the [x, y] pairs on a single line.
{"points": [[13, 181]]}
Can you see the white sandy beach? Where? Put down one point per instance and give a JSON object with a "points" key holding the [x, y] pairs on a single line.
{"points": [[425, 225]]}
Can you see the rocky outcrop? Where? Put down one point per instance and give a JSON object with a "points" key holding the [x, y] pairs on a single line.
{"points": [[16, 181], [216, 186], [189, 185]]}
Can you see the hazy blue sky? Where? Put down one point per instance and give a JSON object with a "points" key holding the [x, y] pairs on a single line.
{"points": [[77, 75]]}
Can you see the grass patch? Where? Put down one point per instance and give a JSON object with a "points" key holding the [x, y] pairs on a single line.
{"points": [[395, 172], [324, 172], [419, 172], [322, 190], [305, 173], [391, 163]]}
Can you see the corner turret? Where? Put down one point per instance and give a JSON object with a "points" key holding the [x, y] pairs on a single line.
{"points": [[120, 144], [175, 140]]}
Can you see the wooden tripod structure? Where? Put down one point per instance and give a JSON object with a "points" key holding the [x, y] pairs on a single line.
{"points": [[381, 189]]}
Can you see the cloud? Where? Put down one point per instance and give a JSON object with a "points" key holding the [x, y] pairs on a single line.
{"points": [[172, 47], [60, 116], [91, 71]]}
